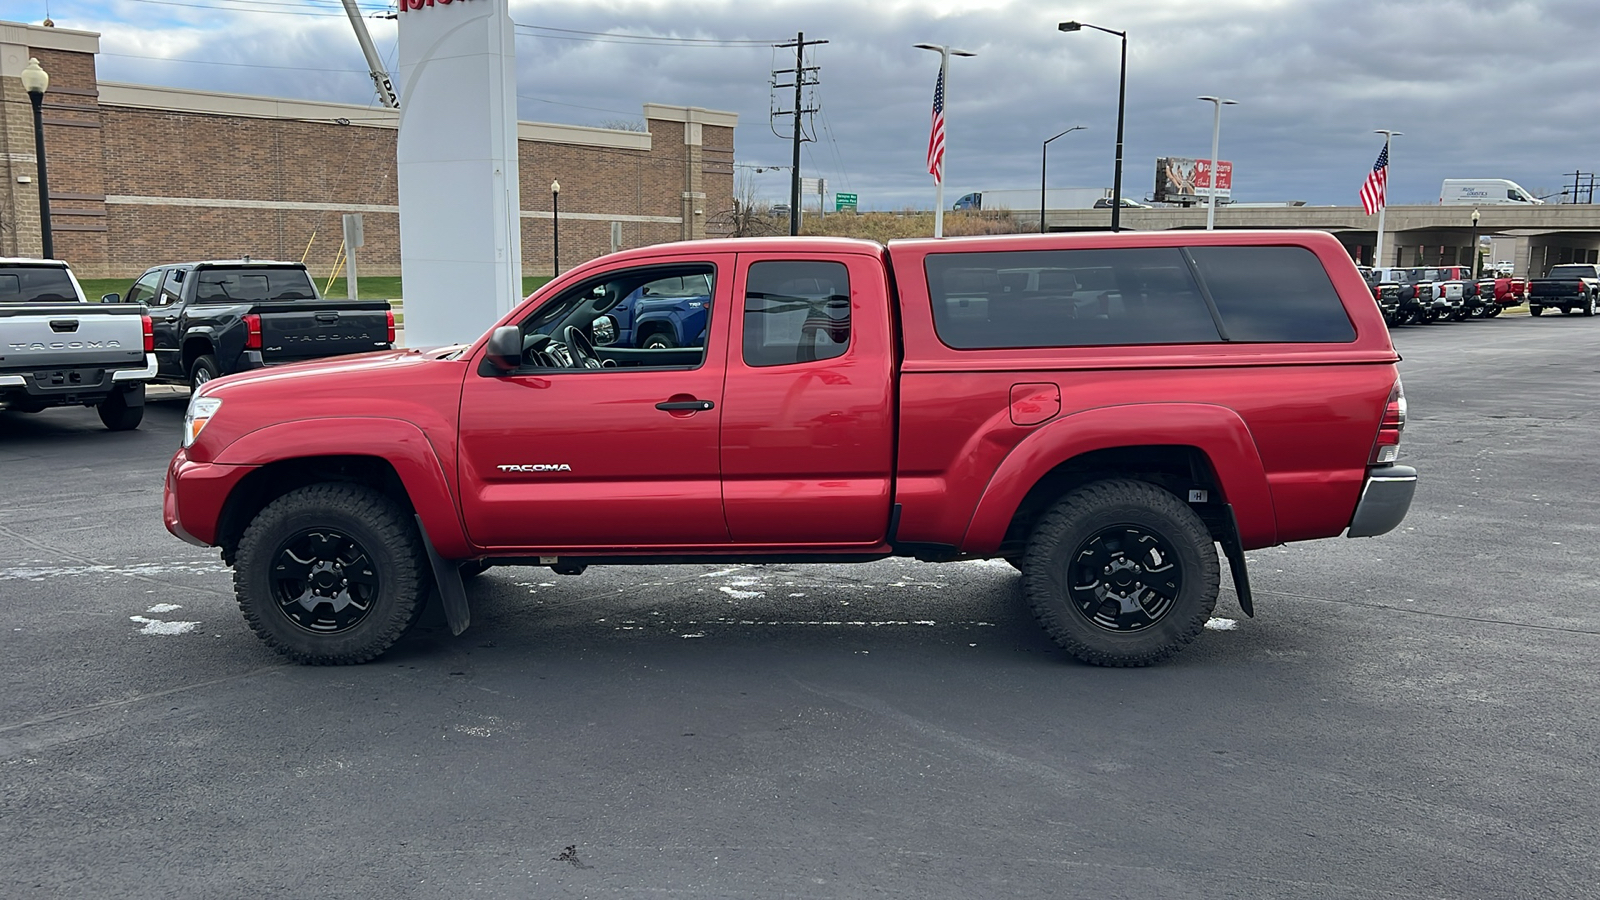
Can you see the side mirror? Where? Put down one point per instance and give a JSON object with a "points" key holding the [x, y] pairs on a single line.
{"points": [[110, 298], [605, 331], [504, 350]]}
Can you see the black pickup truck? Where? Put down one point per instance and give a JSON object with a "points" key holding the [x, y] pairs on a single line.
{"points": [[217, 318], [1569, 288]]}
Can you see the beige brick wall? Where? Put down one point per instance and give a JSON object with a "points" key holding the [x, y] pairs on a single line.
{"points": [[95, 151]]}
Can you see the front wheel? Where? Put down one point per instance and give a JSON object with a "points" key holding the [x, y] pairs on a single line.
{"points": [[116, 414], [1121, 573], [330, 574], [1588, 306], [659, 341]]}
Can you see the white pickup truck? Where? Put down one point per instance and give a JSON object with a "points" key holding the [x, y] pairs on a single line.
{"points": [[57, 349]]}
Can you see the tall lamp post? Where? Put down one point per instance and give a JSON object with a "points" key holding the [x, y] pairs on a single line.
{"points": [[940, 103], [36, 81], [1216, 134], [1475, 272], [1043, 151], [1122, 100], [555, 228]]}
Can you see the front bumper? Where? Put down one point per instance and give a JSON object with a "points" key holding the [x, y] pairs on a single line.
{"points": [[195, 494], [1385, 499]]}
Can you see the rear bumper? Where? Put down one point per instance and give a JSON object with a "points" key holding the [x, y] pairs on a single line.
{"points": [[73, 385], [1385, 499]]}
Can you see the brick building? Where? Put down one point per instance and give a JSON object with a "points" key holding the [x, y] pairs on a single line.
{"points": [[140, 175]]}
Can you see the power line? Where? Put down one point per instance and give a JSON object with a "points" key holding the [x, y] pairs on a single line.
{"points": [[212, 62], [645, 37], [260, 7]]}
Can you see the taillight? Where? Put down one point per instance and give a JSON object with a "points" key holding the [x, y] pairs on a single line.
{"points": [[149, 334], [389, 316], [252, 334], [1386, 449]]}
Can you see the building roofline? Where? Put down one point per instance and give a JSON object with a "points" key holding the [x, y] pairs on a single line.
{"points": [[38, 37]]}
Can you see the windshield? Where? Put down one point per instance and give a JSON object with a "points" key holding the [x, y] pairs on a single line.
{"points": [[253, 284], [36, 284], [1572, 272]]}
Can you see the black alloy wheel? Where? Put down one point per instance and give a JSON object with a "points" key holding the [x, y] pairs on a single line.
{"points": [[1121, 573], [331, 574], [1124, 578], [324, 581]]}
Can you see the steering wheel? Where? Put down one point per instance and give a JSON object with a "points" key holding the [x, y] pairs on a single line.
{"points": [[582, 351]]}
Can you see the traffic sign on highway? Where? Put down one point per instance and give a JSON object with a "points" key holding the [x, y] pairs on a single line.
{"points": [[842, 202]]}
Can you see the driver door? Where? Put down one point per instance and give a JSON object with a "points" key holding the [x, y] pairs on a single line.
{"points": [[558, 457]]}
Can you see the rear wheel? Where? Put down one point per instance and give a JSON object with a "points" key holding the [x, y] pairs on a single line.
{"points": [[1588, 306], [202, 370], [117, 415], [330, 574], [1535, 310], [1121, 573]]}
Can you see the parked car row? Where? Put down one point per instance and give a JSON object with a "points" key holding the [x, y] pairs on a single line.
{"points": [[184, 323], [1441, 293]]}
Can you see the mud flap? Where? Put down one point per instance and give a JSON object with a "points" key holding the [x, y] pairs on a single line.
{"points": [[452, 591], [1235, 553]]}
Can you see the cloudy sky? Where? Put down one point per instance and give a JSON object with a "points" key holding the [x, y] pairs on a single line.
{"points": [[1481, 88]]}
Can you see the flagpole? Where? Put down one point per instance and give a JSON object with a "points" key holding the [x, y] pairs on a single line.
{"points": [[938, 183], [1377, 249], [944, 82]]}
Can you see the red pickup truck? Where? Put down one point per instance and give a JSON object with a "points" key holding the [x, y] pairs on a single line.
{"points": [[1103, 411]]}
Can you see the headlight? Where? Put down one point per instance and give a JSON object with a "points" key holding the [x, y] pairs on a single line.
{"points": [[200, 411]]}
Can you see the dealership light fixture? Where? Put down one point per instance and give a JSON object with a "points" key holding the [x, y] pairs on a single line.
{"points": [[1216, 132], [1122, 104]]}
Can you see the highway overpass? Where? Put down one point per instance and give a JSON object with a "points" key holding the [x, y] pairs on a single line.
{"points": [[1541, 236]]}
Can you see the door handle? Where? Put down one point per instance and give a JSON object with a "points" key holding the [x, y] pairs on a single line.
{"points": [[170, 319], [674, 405]]}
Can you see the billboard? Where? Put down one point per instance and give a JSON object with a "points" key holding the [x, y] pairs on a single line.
{"points": [[1183, 180]]}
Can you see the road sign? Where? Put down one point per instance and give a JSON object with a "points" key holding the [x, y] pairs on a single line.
{"points": [[842, 202]]}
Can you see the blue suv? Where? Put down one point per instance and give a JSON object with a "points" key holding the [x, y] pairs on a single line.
{"points": [[662, 314]]}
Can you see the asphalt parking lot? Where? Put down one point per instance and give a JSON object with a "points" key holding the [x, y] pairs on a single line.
{"points": [[1407, 716]]}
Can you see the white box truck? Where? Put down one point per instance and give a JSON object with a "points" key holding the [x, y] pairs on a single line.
{"points": [[1483, 192]]}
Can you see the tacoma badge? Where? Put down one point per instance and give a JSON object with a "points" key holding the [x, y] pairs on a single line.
{"points": [[537, 467]]}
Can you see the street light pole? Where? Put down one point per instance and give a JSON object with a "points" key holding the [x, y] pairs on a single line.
{"points": [[1377, 248], [945, 52], [1043, 153], [1475, 272], [555, 227], [36, 81], [1122, 103], [1216, 134]]}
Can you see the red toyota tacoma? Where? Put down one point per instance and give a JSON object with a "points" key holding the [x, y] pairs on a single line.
{"points": [[1103, 411]]}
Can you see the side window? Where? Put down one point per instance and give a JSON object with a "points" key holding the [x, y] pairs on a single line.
{"points": [[796, 312], [1274, 294], [654, 317], [144, 290], [1067, 298], [170, 288]]}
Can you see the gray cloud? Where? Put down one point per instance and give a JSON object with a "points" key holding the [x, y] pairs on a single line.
{"points": [[1482, 89]]}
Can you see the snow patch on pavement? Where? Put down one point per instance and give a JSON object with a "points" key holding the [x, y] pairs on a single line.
{"points": [[156, 626], [1218, 624]]}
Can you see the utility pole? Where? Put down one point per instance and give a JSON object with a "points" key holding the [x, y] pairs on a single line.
{"points": [[380, 75], [801, 75]]}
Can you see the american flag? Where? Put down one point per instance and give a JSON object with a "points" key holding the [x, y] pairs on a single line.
{"points": [[936, 137], [1372, 193]]}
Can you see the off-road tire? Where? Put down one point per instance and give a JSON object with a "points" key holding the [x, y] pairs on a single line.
{"points": [[1077, 519], [1535, 310], [376, 524], [203, 369], [117, 415]]}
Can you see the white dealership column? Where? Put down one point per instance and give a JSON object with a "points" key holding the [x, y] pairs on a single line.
{"points": [[460, 227]]}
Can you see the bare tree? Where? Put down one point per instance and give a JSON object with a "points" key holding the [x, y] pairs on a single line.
{"points": [[749, 216]]}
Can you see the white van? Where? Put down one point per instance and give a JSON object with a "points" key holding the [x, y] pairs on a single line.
{"points": [[1482, 192]]}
